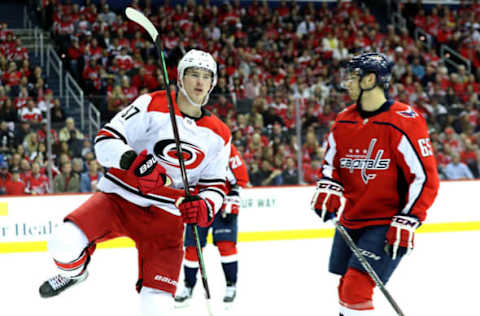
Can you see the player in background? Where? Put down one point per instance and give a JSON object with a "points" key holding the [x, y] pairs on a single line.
{"points": [[224, 231], [379, 176], [142, 194]]}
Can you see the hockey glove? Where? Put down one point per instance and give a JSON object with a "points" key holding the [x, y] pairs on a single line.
{"points": [[147, 171], [328, 199], [231, 206], [195, 210], [400, 236]]}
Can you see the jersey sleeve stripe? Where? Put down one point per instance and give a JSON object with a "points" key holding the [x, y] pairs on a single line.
{"points": [[415, 164], [211, 181], [133, 190], [100, 138], [213, 189], [116, 133]]}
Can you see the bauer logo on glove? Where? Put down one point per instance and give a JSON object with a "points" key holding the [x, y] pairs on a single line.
{"points": [[146, 167]]}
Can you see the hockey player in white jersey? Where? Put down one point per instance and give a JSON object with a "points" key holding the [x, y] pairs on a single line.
{"points": [[142, 193]]}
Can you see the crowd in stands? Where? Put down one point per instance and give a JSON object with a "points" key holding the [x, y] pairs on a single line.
{"points": [[273, 60]]}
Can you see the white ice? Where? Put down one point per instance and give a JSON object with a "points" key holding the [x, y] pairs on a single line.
{"points": [[283, 278]]}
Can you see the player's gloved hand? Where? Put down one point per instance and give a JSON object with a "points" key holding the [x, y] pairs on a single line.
{"points": [[195, 210], [328, 199], [231, 206], [148, 172], [400, 235]]}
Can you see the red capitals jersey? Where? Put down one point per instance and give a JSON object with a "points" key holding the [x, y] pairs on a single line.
{"points": [[237, 173], [385, 162]]}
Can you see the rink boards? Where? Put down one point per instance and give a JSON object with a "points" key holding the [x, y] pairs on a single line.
{"points": [[272, 213]]}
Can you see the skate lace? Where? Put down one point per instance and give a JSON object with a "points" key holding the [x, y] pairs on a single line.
{"points": [[58, 282], [187, 292], [230, 291]]}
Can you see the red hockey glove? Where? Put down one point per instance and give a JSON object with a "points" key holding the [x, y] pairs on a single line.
{"points": [[195, 210], [328, 199], [401, 235], [148, 172], [231, 206]]}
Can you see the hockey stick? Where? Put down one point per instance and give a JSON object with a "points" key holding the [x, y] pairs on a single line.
{"points": [[357, 252], [138, 17]]}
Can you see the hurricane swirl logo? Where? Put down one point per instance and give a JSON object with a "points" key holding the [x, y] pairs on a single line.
{"points": [[166, 151]]}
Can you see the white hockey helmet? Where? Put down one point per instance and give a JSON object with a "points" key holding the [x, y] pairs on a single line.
{"points": [[200, 59]]}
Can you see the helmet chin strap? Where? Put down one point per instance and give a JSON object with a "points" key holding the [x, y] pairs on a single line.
{"points": [[361, 89]]}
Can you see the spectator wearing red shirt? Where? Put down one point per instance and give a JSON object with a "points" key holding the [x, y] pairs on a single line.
{"points": [[15, 186], [130, 91], [37, 183], [327, 116], [124, 61], [312, 171], [91, 76], [31, 113], [143, 80], [12, 76]]}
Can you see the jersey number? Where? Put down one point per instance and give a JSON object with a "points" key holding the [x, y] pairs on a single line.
{"points": [[425, 147], [236, 162], [131, 111]]}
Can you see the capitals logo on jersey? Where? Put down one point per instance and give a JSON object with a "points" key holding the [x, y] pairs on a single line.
{"points": [[408, 113], [365, 162], [166, 151]]}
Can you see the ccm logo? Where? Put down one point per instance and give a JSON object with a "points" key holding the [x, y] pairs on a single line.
{"points": [[330, 186]]}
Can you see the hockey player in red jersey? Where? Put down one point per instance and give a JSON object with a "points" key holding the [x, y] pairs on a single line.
{"points": [[142, 194], [224, 231], [379, 176]]}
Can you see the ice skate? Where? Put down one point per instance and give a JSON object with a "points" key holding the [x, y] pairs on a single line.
{"points": [[59, 283], [182, 299], [230, 293]]}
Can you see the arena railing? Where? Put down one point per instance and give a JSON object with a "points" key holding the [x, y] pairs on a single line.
{"points": [[298, 130], [399, 21], [423, 37], [75, 93], [54, 62], [446, 53], [93, 120]]}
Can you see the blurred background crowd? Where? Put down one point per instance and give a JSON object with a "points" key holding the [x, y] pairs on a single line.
{"points": [[279, 80]]}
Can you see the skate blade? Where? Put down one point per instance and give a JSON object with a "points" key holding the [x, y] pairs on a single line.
{"points": [[228, 306], [181, 304]]}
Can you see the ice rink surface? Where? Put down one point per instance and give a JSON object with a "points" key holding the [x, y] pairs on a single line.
{"points": [[282, 278]]}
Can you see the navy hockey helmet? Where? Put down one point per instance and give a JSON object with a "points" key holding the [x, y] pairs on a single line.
{"points": [[376, 63]]}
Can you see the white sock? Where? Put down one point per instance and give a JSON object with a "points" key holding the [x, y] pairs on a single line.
{"points": [[155, 302], [67, 244], [353, 312]]}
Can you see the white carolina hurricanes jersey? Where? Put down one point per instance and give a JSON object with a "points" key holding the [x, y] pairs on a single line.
{"points": [[145, 124]]}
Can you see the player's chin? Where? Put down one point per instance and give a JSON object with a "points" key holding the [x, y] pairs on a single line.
{"points": [[353, 95]]}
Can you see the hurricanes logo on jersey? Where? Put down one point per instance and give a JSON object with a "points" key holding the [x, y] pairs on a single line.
{"points": [[365, 162], [166, 151]]}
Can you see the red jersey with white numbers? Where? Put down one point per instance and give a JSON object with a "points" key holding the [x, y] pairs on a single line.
{"points": [[145, 124], [385, 162], [237, 173]]}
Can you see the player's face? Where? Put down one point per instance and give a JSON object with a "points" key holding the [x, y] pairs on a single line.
{"points": [[352, 85], [197, 83]]}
